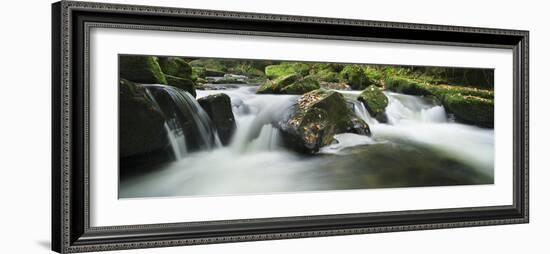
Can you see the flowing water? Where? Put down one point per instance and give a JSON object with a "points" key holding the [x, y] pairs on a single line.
{"points": [[418, 146]]}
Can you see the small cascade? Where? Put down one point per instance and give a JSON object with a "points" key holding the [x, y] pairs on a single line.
{"points": [[267, 140], [188, 127], [411, 108], [362, 112], [177, 141]]}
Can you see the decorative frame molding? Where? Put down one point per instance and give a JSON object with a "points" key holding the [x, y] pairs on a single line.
{"points": [[71, 22]]}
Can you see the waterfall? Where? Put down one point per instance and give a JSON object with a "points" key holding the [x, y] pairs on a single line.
{"points": [[188, 126], [362, 112], [402, 107], [177, 141], [255, 162]]}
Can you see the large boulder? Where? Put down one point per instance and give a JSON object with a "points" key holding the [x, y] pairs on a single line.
{"points": [[316, 118], [142, 137], [175, 66], [471, 109], [218, 108], [375, 102], [141, 69], [183, 83], [289, 84]]}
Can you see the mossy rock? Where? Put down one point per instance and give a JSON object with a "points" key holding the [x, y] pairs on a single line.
{"points": [[301, 86], [276, 86], [141, 69], [355, 77], [202, 72], [249, 71], [211, 64], [142, 139], [175, 66], [183, 83], [284, 69], [375, 101], [317, 117], [406, 86], [471, 109]]}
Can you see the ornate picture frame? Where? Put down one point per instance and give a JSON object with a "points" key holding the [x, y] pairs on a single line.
{"points": [[71, 197]]}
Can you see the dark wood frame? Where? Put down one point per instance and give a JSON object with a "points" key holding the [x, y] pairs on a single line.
{"points": [[71, 22]]}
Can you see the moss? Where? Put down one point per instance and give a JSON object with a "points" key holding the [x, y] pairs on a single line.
{"points": [[209, 63], [175, 66], [374, 100], [248, 70], [289, 84], [355, 77], [301, 86], [183, 83], [406, 85], [141, 69], [283, 69], [202, 72], [471, 109]]}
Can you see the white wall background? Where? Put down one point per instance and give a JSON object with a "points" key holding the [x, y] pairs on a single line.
{"points": [[25, 125]]}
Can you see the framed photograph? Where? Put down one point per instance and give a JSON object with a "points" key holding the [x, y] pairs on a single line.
{"points": [[181, 126]]}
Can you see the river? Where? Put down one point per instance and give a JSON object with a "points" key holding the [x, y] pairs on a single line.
{"points": [[420, 145]]}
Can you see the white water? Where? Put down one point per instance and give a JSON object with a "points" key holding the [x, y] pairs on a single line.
{"points": [[255, 162]]}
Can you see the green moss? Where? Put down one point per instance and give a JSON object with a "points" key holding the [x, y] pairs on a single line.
{"points": [[355, 77], [183, 83], [471, 109], [374, 100], [301, 86], [289, 84], [141, 69], [202, 72], [283, 69], [175, 66], [406, 85], [212, 64]]}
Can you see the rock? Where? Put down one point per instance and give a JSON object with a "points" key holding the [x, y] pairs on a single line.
{"points": [[334, 85], [175, 66], [375, 102], [289, 84], [471, 109], [285, 69], [218, 107], [355, 77], [406, 86], [183, 83], [201, 72], [141, 69], [142, 140], [316, 118], [301, 86]]}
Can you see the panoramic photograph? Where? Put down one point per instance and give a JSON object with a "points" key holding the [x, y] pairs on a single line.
{"points": [[196, 126]]}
